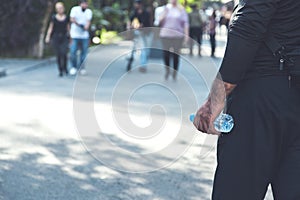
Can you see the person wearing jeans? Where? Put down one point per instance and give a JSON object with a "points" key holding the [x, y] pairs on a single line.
{"points": [[140, 20], [80, 17], [146, 39], [83, 45]]}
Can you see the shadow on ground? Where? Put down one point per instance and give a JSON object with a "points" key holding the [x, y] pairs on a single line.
{"points": [[75, 175]]}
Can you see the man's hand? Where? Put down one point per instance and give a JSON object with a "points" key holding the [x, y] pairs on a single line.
{"points": [[81, 26], [210, 110], [204, 118]]}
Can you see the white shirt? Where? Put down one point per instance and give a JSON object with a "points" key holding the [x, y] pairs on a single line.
{"points": [[158, 11], [82, 18]]}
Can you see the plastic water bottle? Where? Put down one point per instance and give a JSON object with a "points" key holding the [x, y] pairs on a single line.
{"points": [[223, 123]]}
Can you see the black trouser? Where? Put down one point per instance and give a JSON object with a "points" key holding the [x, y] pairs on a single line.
{"points": [[61, 60], [196, 34], [264, 145], [175, 44], [212, 39], [60, 45]]}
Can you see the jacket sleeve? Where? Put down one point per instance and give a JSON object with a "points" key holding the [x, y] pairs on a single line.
{"points": [[248, 27]]}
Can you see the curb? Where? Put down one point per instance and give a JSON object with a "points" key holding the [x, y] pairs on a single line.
{"points": [[41, 64], [10, 71]]}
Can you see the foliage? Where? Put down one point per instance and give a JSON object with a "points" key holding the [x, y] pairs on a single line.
{"points": [[108, 37], [98, 18], [20, 23], [115, 16]]}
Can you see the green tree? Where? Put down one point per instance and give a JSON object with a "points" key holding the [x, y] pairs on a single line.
{"points": [[23, 23], [22, 27]]}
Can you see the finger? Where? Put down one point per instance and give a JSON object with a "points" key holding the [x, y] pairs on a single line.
{"points": [[201, 125], [197, 123], [211, 130], [205, 127]]}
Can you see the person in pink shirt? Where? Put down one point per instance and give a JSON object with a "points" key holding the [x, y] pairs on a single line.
{"points": [[174, 31]]}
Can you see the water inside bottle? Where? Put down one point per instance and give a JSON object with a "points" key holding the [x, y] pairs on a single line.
{"points": [[223, 123]]}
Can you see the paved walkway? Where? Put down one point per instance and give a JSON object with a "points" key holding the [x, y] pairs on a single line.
{"points": [[107, 135]]}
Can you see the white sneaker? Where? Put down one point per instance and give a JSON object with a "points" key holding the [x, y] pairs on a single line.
{"points": [[82, 72], [73, 71]]}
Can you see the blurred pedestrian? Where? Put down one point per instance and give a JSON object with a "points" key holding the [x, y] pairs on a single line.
{"points": [[158, 11], [140, 21], [224, 21], [80, 17], [175, 30], [58, 34], [196, 28], [212, 32]]}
